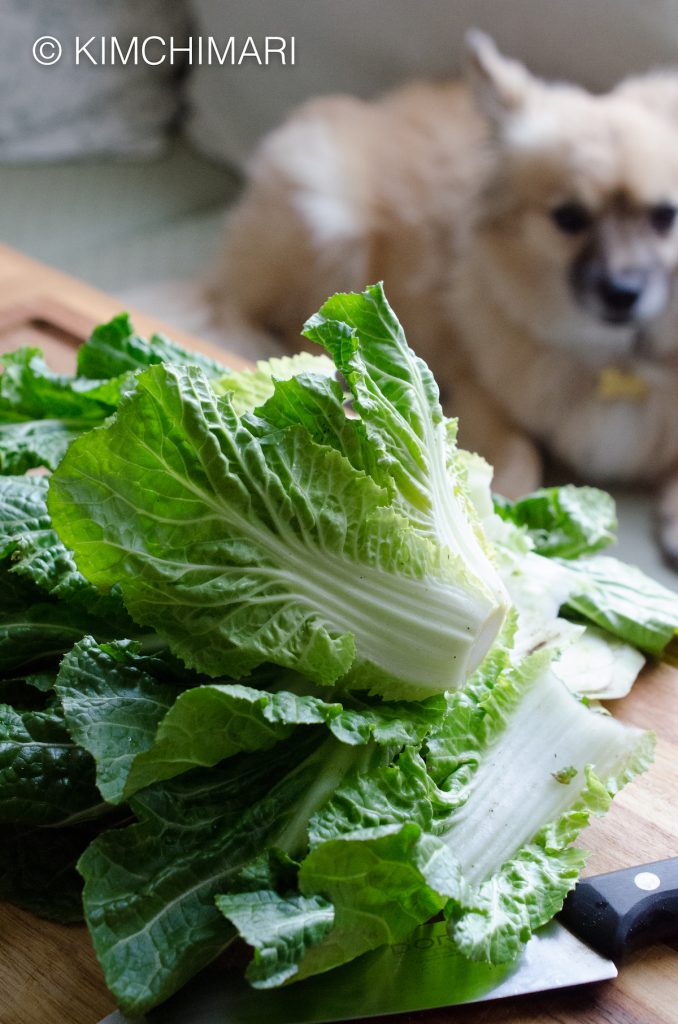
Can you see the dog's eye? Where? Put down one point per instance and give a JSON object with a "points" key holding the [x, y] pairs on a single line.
{"points": [[571, 218], [662, 217]]}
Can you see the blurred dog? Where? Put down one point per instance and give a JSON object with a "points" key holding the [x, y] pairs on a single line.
{"points": [[527, 236]]}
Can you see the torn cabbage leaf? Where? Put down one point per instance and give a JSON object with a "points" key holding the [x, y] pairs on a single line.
{"points": [[599, 613]]}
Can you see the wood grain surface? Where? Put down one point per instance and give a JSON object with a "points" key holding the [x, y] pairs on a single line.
{"points": [[48, 973]]}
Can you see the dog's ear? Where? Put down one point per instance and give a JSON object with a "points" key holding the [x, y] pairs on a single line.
{"points": [[500, 85]]}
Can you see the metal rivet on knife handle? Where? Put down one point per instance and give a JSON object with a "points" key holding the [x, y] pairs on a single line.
{"points": [[621, 911]]}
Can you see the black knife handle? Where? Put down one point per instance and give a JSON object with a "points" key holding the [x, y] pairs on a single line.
{"points": [[623, 910]]}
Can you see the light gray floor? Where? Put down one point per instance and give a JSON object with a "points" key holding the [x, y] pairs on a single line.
{"points": [[149, 232], [118, 224]]}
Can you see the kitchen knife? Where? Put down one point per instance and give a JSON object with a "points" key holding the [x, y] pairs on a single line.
{"points": [[614, 913]]}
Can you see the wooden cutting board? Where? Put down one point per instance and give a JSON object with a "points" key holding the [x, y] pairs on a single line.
{"points": [[48, 972]]}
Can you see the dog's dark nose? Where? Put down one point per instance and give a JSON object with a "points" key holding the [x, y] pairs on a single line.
{"points": [[621, 291]]}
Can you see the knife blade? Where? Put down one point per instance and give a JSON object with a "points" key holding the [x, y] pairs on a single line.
{"points": [[615, 913]]}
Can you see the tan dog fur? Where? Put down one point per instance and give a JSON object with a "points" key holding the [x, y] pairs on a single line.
{"points": [[446, 193]]}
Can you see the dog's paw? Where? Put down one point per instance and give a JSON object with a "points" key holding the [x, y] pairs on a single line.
{"points": [[667, 534], [668, 542], [517, 468], [667, 524]]}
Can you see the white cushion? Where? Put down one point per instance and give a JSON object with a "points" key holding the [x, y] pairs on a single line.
{"points": [[365, 46]]}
